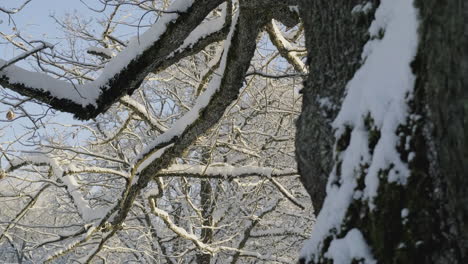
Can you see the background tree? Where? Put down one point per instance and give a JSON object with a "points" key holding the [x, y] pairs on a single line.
{"points": [[231, 195]]}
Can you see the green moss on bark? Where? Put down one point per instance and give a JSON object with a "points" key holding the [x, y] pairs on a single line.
{"points": [[393, 236]]}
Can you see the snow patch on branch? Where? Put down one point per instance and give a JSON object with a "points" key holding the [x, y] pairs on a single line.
{"points": [[38, 159], [59, 89], [202, 31], [87, 213], [147, 160], [141, 43], [379, 90]]}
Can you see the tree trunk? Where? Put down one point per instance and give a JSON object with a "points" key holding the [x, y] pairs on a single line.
{"points": [[334, 41], [206, 206], [426, 219], [442, 70]]}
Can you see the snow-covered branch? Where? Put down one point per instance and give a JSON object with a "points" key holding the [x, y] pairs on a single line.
{"points": [[238, 251], [121, 75], [222, 90], [178, 230], [285, 48], [223, 171], [287, 194], [141, 111]]}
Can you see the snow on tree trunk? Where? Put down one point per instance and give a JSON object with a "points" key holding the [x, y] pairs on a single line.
{"points": [[335, 35], [383, 203]]}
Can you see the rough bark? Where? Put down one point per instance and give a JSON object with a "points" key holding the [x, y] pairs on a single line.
{"points": [[334, 41], [441, 67], [436, 194]]}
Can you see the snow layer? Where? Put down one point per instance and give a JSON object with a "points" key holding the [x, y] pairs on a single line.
{"points": [[143, 163], [137, 45], [379, 89], [203, 30], [57, 88], [352, 246]]}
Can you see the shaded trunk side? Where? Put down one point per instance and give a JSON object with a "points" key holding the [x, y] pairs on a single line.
{"points": [[441, 67]]}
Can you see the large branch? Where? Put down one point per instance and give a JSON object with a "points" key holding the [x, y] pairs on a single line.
{"points": [[157, 48], [238, 56], [222, 91]]}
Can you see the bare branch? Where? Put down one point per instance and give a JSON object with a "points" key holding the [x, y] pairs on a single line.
{"points": [[14, 10]]}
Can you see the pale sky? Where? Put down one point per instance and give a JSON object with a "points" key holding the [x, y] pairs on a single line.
{"points": [[35, 17], [34, 22]]}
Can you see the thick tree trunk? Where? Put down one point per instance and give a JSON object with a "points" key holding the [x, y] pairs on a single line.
{"points": [[334, 40], [426, 219], [441, 67]]}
